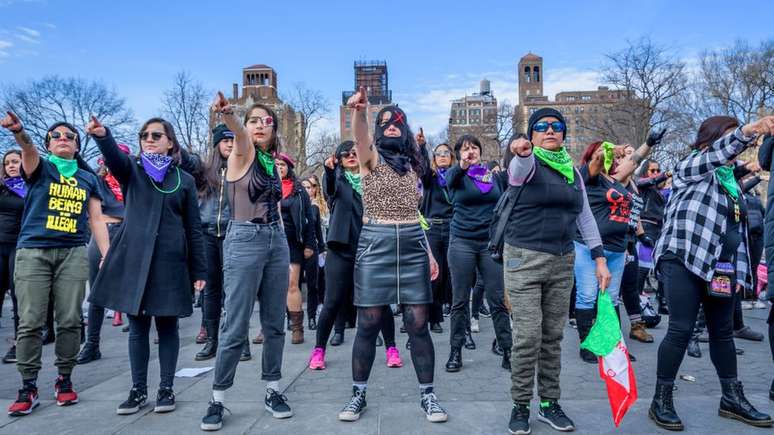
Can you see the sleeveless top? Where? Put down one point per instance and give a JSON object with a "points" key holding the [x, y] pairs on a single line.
{"points": [[265, 209], [390, 197]]}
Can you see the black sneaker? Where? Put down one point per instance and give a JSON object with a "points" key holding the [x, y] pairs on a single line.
{"points": [[433, 410], [276, 403], [213, 420], [553, 415], [484, 311], [90, 352], [137, 399], [10, 356], [165, 401], [519, 424], [357, 404]]}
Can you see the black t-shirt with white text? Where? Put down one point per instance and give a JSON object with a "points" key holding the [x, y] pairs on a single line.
{"points": [[56, 208], [611, 204]]}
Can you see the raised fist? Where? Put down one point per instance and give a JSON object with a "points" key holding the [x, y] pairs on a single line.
{"points": [[359, 100], [11, 122]]}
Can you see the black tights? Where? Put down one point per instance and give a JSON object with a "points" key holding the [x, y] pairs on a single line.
{"points": [[370, 320]]}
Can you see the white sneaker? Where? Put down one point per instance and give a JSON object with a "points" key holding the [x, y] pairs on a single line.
{"points": [[747, 305], [474, 326], [758, 304]]}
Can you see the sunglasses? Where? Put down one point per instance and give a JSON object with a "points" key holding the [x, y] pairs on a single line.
{"points": [[542, 126], [265, 121], [349, 154], [58, 134], [442, 153], [654, 171], [155, 135]]}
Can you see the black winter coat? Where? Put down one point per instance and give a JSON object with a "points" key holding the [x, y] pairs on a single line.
{"points": [[301, 214], [765, 159], [158, 251], [346, 208]]}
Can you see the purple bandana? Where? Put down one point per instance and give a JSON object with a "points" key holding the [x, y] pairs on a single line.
{"points": [[482, 176], [16, 185], [441, 172], [156, 165]]}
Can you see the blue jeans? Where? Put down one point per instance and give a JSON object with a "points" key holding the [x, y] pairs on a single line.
{"points": [[255, 259], [586, 278]]}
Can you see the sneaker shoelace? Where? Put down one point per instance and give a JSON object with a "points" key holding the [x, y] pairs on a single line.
{"points": [[554, 410], [276, 398], [216, 408], [431, 404], [64, 385], [355, 403], [136, 395], [25, 395], [166, 393]]}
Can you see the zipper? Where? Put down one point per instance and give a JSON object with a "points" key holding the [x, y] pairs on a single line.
{"points": [[397, 238], [220, 200]]}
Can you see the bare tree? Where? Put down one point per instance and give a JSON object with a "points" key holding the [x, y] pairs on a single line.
{"points": [[312, 108], [507, 121], [320, 147], [186, 106], [439, 138], [651, 82], [41, 103]]}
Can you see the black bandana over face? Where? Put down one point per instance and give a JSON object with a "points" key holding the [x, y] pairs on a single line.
{"points": [[396, 151]]}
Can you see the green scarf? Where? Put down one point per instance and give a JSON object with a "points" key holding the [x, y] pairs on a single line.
{"points": [[560, 161], [609, 155], [354, 181], [725, 176], [266, 161], [66, 167]]}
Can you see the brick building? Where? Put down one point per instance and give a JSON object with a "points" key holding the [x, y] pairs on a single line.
{"points": [[477, 115], [373, 76]]}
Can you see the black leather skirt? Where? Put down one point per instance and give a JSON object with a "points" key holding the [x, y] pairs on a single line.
{"points": [[392, 266]]}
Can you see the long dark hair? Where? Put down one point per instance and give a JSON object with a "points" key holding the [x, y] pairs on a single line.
{"points": [[169, 130], [274, 144], [712, 129], [212, 172], [2, 167]]}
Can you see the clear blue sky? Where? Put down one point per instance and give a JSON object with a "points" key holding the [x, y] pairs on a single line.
{"points": [[435, 50]]}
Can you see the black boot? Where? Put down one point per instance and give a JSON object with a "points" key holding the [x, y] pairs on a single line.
{"points": [[771, 388], [662, 306], [662, 408], [584, 319], [506, 364], [246, 355], [337, 339], [89, 353], [455, 360], [693, 347], [469, 343], [211, 345], [734, 405], [496, 348]]}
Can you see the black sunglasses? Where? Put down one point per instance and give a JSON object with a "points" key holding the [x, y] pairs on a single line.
{"points": [[348, 154], [57, 135], [542, 126], [153, 134]]}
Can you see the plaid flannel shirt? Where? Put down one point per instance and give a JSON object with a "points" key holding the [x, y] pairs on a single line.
{"points": [[695, 216]]}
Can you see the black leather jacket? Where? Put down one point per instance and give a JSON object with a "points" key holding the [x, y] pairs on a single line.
{"points": [[214, 209]]}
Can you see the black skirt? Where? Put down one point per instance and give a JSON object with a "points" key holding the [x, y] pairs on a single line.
{"points": [[392, 266]]}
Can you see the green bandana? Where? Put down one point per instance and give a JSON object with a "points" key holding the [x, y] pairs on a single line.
{"points": [[725, 176], [560, 161], [609, 155], [66, 167], [354, 181], [423, 222], [266, 161]]}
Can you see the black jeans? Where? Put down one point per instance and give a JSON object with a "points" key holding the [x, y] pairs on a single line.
{"points": [[630, 293], [438, 237], [7, 260], [97, 313], [465, 257], [756, 252], [685, 292], [139, 348], [314, 291], [477, 296], [212, 302]]}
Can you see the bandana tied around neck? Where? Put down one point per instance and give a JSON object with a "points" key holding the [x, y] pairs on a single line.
{"points": [[441, 172], [482, 177], [266, 161], [287, 188], [354, 181], [156, 165], [66, 167], [16, 185], [560, 161], [725, 176]]}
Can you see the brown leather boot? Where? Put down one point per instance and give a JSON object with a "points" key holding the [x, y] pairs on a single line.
{"points": [[258, 338], [639, 333], [296, 327]]}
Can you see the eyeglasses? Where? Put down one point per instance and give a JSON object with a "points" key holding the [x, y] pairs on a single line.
{"points": [[265, 121], [155, 135], [542, 126], [58, 134], [348, 154], [442, 153]]}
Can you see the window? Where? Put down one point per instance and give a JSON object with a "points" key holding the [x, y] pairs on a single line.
{"points": [[536, 74], [526, 74], [570, 98], [586, 98]]}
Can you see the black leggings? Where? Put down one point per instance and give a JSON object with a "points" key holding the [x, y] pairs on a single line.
{"points": [[339, 287], [212, 300], [370, 321], [685, 292], [315, 291], [630, 289], [139, 349], [7, 259]]}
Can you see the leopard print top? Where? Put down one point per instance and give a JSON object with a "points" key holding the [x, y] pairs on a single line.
{"points": [[390, 197]]}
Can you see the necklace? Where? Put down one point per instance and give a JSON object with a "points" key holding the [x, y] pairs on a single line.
{"points": [[153, 183]]}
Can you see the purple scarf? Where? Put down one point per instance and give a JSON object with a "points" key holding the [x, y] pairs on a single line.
{"points": [[482, 176], [441, 172], [16, 185], [156, 165]]}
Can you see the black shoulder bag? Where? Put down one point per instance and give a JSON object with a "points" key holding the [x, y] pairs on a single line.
{"points": [[502, 211]]}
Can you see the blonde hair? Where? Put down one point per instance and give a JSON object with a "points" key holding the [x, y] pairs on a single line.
{"points": [[318, 199], [451, 154]]}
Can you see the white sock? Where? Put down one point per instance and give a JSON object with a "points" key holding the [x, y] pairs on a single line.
{"points": [[219, 395], [360, 386], [272, 385]]}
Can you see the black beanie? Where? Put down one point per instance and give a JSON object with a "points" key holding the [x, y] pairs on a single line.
{"points": [[545, 113], [221, 132]]}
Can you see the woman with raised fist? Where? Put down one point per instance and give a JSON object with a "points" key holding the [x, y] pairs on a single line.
{"points": [[13, 189], [393, 262], [62, 203], [255, 257]]}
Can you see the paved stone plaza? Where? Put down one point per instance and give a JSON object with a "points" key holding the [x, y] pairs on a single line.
{"points": [[477, 398]]}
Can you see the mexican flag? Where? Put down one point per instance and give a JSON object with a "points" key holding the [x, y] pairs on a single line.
{"points": [[605, 341]]}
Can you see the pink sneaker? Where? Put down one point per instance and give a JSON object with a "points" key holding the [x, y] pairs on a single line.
{"points": [[393, 357], [317, 360]]}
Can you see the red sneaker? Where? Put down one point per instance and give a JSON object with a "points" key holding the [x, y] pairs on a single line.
{"points": [[26, 401], [65, 395]]}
